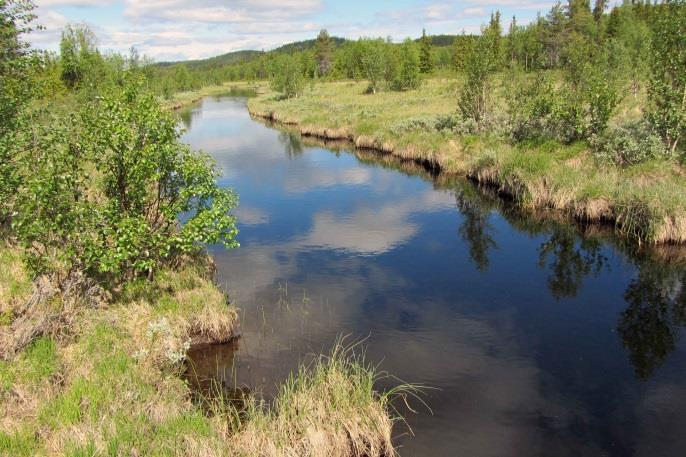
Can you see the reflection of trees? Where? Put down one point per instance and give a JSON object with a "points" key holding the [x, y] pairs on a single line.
{"points": [[571, 259], [186, 116], [291, 143], [476, 228], [650, 326]]}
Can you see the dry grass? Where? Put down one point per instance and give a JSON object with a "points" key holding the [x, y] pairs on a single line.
{"points": [[329, 408], [646, 202], [113, 387]]}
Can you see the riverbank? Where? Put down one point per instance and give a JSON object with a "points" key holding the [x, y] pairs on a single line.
{"points": [[645, 202], [184, 99], [104, 377]]}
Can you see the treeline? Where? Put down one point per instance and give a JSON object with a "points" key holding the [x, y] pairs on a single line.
{"points": [[568, 71], [93, 178]]}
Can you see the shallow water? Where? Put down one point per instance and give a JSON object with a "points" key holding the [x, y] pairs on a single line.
{"points": [[539, 338]]}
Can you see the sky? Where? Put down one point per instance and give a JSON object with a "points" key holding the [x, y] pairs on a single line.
{"points": [[171, 30]]}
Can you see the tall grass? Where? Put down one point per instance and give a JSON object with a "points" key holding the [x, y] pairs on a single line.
{"points": [[328, 407]]}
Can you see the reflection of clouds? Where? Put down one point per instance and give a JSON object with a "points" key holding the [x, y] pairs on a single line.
{"points": [[365, 231], [316, 177], [491, 400], [251, 216], [663, 421], [373, 231]]}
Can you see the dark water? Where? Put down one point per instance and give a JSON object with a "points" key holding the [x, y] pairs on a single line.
{"points": [[539, 337]]}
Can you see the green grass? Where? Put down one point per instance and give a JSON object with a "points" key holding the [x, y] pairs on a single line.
{"points": [[646, 202]]}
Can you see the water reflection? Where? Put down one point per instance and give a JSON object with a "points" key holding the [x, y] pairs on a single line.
{"points": [[651, 325], [570, 259], [522, 321], [475, 228], [291, 144]]}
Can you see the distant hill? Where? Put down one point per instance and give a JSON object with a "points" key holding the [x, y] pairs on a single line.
{"points": [[217, 61], [304, 45], [245, 56]]}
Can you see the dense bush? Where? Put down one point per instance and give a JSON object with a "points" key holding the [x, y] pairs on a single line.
{"points": [[541, 110], [104, 193], [630, 144]]}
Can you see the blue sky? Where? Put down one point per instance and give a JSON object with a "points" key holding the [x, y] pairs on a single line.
{"points": [[182, 29]]}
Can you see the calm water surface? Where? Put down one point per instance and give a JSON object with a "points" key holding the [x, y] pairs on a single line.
{"points": [[538, 340]]}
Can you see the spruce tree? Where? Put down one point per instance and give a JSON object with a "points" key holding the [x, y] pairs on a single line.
{"points": [[323, 52], [599, 9], [425, 61], [511, 42]]}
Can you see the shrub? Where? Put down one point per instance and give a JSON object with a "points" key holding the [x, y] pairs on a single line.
{"points": [[629, 145], [104, 193], [537, 109]]}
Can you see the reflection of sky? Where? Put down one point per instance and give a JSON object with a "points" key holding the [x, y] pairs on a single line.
{"points": [[333, 247]]}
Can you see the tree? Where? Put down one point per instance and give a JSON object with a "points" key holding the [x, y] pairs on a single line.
{"points": [[462, 48], [425, 60], [553, 34], [373, 62], [288, 76], [512, 42], [493, 35], [80, 58], [667, 87], [407, 74], [580, 17], [475, 93], [17, 63], [323, 51], [599, 9]]}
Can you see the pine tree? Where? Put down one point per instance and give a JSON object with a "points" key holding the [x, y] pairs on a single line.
{"points": [[323, 52], [599, 9], [511, 42], [493, 35], [425, 60]]}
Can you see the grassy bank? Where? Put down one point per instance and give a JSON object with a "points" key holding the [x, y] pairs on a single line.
{"points": [[645, 202], [183, 99], [105, 379]]}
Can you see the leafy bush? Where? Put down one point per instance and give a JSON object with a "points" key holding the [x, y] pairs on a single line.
{"points": [[423, 123], [629, 145], [104, 193], [540, 110], [448, 123]]}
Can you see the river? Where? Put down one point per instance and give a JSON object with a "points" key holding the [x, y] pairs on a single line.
{"points": [[537, 337]]}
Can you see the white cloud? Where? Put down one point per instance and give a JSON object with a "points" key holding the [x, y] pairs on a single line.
{"points": [[53, 3], [178, 29]]}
